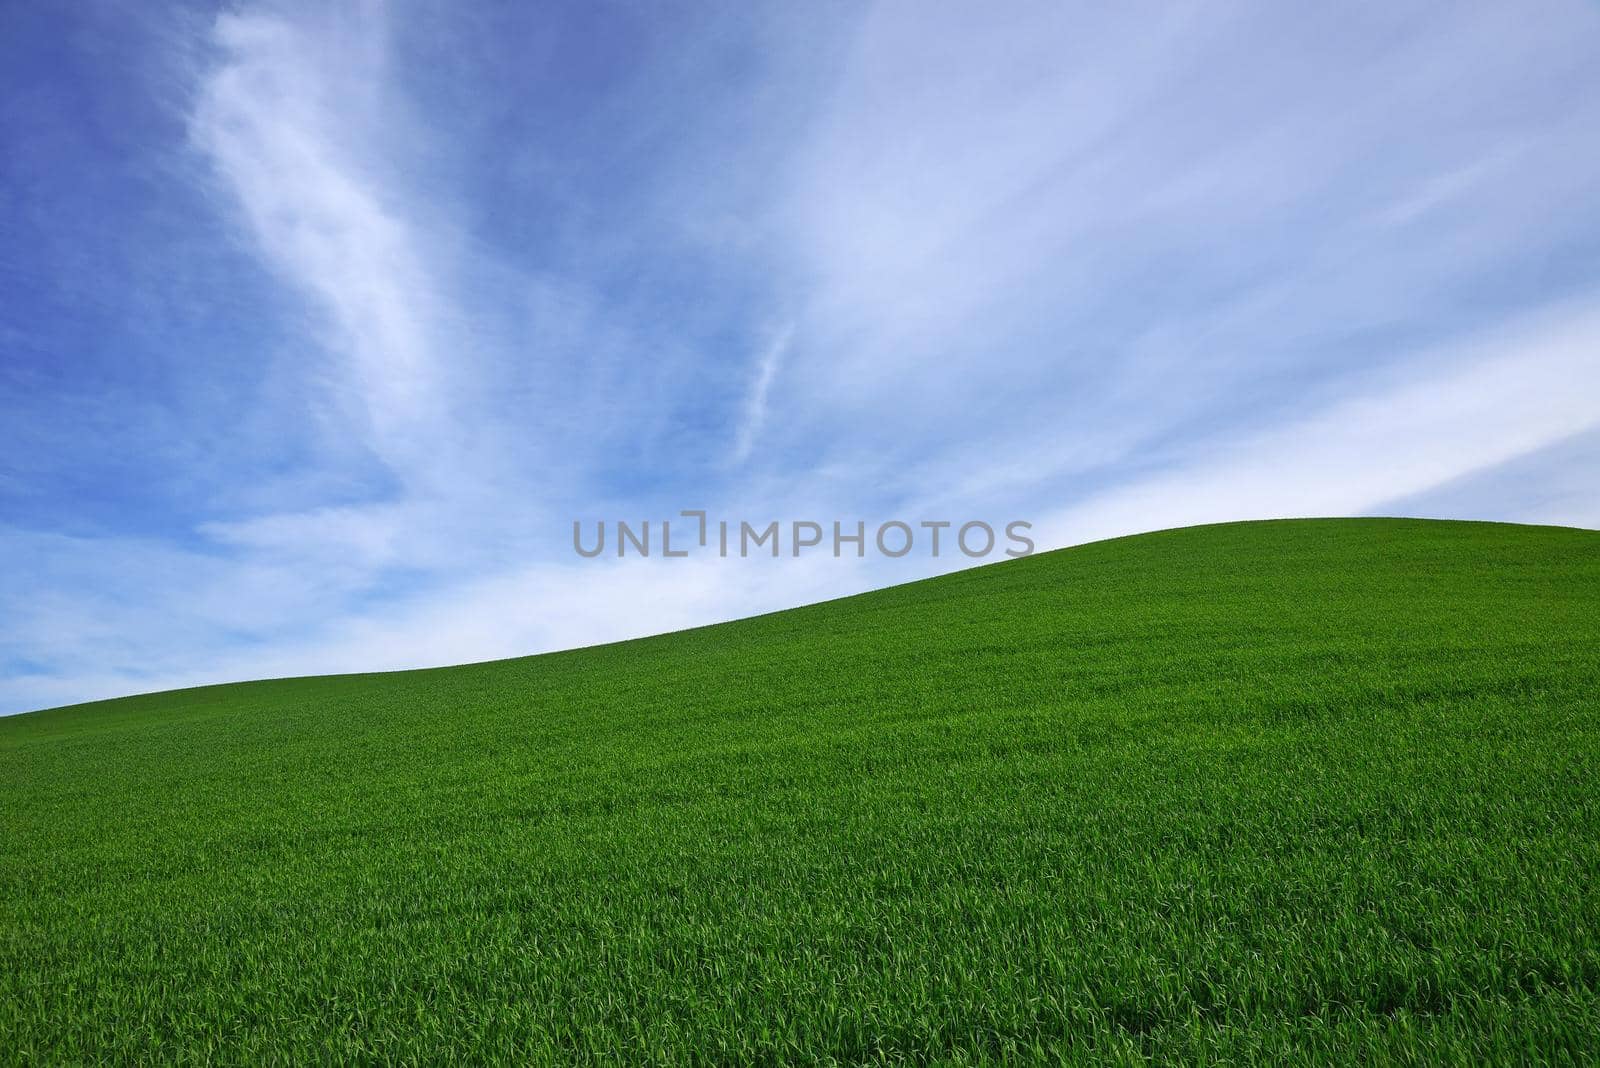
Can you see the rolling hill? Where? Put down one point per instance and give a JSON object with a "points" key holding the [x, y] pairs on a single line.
{"points": [[1306, 790]]}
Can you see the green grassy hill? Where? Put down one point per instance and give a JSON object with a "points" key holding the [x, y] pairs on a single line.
{"points": [[1323, 789]]}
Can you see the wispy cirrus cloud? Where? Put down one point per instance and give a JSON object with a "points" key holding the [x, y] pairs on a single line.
{"points": [[279, 116], [1504, 397], [1085, 250], [755, 410]]}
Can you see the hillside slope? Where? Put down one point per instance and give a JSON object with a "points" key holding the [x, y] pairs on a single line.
{"points": [[1321, 789]]}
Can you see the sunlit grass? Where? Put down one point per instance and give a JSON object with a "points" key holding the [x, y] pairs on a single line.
{"points": [[1317, 790]]}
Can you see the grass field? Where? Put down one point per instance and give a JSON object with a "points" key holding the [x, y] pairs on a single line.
{"points": [[1314, 790]]}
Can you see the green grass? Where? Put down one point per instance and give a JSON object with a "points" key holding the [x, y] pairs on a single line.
{"points": [[1318, 790]]}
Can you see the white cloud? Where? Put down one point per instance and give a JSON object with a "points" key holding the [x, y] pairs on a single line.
{"points": [[513, 612], [281, 129], [1060, 228], [1501, 397], [755, 409]]}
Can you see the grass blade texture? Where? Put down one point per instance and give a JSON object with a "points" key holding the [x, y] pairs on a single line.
{"points": [[1319, 790]]}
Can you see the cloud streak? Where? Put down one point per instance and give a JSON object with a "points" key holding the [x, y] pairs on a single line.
{"points": [[755, 410], [268, 117], [1508, 398]]}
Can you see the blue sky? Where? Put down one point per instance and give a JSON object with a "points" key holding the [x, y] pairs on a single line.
{"points": [[320, 324]]}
